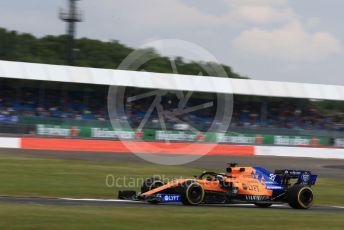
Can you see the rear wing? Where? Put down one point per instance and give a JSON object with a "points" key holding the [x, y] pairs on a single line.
{"points": [[302, 176]]}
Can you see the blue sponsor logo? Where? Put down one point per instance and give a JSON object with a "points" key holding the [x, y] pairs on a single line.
{"points": [[169, 197], [305, 177], [274, 187]]}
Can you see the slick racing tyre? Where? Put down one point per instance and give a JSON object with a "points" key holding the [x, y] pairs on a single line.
{"points": [[263, 205], [193, 194], [151, 184], [300, 197]]}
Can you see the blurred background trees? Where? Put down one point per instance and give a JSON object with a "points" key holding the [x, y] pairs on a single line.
{"points": [[25, 47]]}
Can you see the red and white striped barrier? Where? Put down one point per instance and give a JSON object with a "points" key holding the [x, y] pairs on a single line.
{"points": [[9, 142], [284, 151], [167, 148]]}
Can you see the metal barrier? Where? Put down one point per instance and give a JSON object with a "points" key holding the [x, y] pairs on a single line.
{"points": [[26, 120], [60, 121], [285, 131], [18, 129]]}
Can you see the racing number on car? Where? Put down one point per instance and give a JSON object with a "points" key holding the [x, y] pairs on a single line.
{"points": [[272, 177], [253, 188]]}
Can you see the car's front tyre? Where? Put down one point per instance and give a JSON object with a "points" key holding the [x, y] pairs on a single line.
{"points": [[193, 194]]}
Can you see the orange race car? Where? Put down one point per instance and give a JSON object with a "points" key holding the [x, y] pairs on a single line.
{"points": [[254, 185]]}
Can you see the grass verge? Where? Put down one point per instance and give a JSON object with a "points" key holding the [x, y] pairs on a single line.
{"points": [[27, 176], [89, 217]]}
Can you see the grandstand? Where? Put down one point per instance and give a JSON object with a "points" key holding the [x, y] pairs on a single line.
{"points": [[39, 99]]}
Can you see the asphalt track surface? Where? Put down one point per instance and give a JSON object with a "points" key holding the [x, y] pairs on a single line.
{"points": [[138, 204], [326, 168], [323, 167]]}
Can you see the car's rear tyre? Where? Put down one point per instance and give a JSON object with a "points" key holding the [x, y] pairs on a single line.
{"points": [[263, 205], [300, 197], [151, 184], [193, 194]]}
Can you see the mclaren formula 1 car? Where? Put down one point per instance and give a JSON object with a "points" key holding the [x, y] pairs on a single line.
{"points": [[254, 185]]}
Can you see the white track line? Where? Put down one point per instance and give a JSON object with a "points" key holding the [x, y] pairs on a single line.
{"points": [[101, 200], [133, 201], [337, 206]]}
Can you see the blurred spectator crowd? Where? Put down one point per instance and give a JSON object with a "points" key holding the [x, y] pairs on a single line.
{"points": [[93, 106]]}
